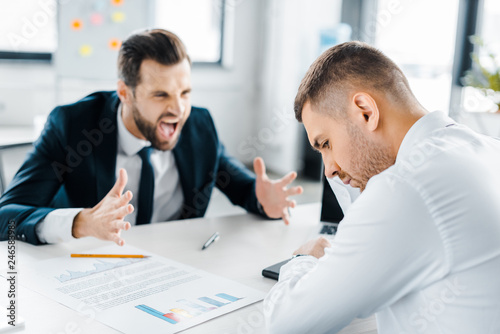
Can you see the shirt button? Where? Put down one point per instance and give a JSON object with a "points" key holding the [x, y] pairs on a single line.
{"points": [[23, 237]]}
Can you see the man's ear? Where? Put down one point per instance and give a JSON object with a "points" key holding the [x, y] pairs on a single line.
{"points": [[366, 111], [124, 92]]}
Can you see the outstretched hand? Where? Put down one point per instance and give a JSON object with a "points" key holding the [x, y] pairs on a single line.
{"points": [[105, 220], [273, 195]]}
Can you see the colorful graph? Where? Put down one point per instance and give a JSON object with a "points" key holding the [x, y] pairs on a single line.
{"points": [[99, 267], [189, 309]]}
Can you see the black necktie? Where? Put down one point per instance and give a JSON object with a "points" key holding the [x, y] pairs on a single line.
{"points": [[146, 188]]}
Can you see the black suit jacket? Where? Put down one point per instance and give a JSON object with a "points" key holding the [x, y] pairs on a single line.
{"points": [[74, 159]]}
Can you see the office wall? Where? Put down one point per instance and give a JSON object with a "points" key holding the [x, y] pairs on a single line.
{"points": [[231, 93], [30, 89], [26, 89], [291, 43]]}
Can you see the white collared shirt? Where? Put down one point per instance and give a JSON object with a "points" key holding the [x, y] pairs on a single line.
{"points": [[420, 247], [168, 196]]}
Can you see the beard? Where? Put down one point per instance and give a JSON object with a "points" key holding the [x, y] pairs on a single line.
{"points": [[149, 130], [367, 159]]}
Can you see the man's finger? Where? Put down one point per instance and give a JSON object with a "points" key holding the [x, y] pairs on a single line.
{"points": [[120, 183], [301, 249], [259, 167], [323, 242], [127, 197], [286, 216], [126, 226], [123, 200], [114, 236], [287, 179], [294, 191], [117, 239], [291, 203], [124, 210]]}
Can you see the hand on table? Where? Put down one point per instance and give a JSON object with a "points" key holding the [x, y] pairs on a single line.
{"points": [[315, 247], [105, 220], [273, 194]]}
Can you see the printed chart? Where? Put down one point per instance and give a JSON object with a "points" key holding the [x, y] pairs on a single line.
{"points": [[99, 266], [190, 309], [138, 295]]}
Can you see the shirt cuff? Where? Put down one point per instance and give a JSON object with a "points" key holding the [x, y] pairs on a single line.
{"points": [[57, 226], [297, 267]]}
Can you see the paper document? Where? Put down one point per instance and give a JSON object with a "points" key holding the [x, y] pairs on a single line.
{"points": [[6, 324], [149, 295]]}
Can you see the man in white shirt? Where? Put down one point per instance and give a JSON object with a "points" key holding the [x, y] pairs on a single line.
{"points": [[420, 247], [139, 155]]}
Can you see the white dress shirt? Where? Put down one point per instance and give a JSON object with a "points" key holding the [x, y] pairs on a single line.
{"points": [[168, 196], [420, 247], [344, 193]]}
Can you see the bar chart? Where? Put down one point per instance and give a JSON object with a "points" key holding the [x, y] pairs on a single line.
{"points": [[188, 309]]}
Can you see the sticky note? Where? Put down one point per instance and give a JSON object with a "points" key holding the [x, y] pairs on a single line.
{"points": [[114, 44], [85, 50], [118, 17], [96, 19], [76, 24]]}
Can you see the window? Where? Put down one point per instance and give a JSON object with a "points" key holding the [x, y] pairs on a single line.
{"points": [[488, 29], [474, 100], [198, 23], [420, 37], [28, 29]]}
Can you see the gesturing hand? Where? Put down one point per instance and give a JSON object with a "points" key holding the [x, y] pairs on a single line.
{"points": [[105, 220], [273, 194]]}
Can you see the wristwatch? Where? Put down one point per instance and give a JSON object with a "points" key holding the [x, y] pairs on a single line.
{"points": [[297, 255], [261, 209]]}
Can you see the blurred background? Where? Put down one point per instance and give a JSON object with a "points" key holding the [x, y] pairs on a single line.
{"points": [[248, 59]]}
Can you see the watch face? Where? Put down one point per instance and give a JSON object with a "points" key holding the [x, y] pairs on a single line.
{"points": [[297, 255]]}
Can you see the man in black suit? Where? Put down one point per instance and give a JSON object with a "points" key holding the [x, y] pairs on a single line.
{"points": [[134, 156]]}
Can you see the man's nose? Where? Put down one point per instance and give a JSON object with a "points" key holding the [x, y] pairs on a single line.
{"points": [[331, 167], [176, 107]]}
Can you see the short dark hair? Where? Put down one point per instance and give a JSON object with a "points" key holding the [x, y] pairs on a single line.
{"points": [[159, 45], [344, 67]]}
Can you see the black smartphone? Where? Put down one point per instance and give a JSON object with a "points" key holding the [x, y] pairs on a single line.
{"points": [[274, 270]]}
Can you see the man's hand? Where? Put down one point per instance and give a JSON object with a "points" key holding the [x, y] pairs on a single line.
{"points": [[105, 220], [315, 247], [273, 194]]}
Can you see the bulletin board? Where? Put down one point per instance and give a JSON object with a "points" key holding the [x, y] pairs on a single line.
{"points": [[90, 33]]}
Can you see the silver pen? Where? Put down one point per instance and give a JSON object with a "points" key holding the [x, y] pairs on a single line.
{"points": [[211, 240]]}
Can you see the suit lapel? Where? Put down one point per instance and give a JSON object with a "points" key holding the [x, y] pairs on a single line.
{"points": [[105, 158], [185, 161]]}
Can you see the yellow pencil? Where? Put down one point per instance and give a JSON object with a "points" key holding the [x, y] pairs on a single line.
{"points": [[109, 255]]}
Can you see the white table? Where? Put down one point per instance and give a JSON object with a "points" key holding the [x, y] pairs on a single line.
{"points": [[13, 137], [246, 246]]}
